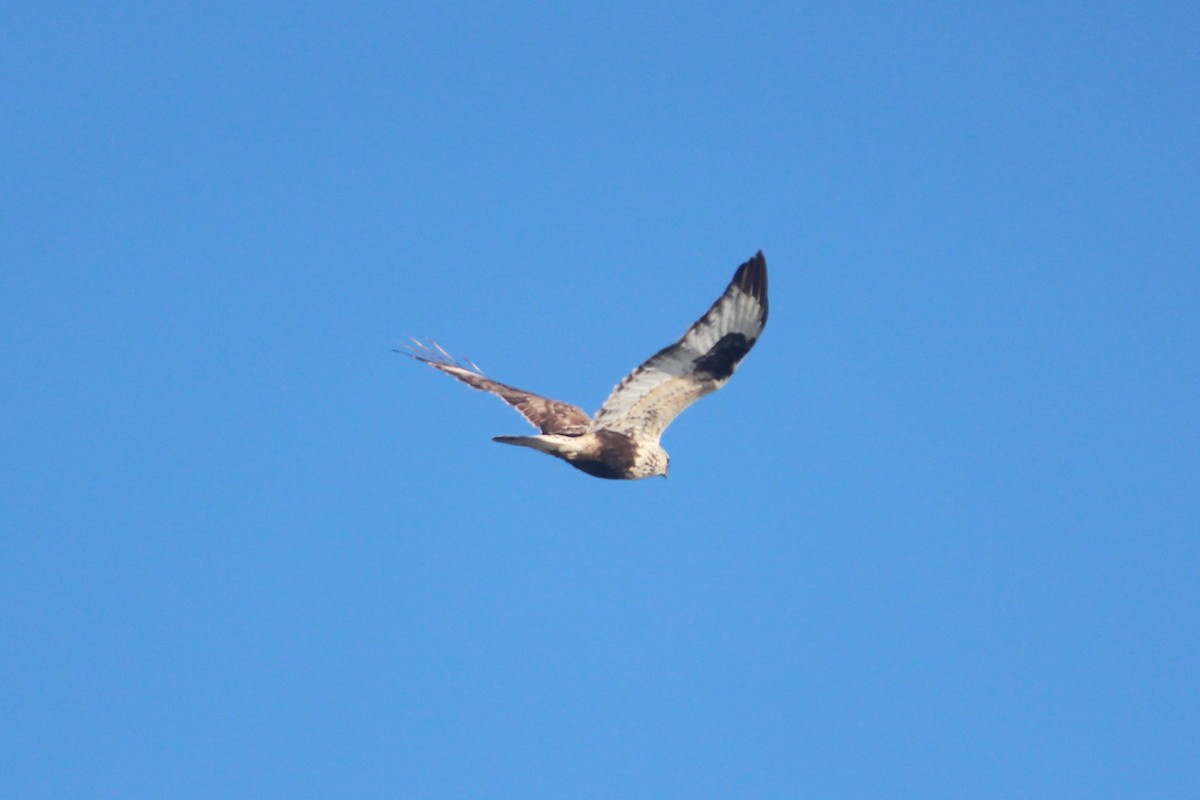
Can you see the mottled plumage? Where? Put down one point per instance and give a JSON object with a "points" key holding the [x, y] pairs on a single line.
{"points": [[622, 441]]}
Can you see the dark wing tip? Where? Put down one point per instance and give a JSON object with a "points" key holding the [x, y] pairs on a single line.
{"points": [[751, 278]]}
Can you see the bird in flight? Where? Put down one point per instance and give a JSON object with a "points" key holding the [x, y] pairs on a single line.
{"points": [[622, 441]]}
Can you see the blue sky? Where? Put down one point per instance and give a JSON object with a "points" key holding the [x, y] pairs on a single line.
{"points": [[938, 539]]}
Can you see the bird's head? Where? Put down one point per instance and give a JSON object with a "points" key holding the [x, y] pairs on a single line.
{"points": [[651, 461]]}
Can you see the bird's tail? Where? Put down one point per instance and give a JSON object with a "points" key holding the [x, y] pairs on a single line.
{"points": [[536, 442], [553, 443]]}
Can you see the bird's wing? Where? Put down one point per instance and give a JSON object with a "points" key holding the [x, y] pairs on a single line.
{"points": [[650, 397], [550, 416]]}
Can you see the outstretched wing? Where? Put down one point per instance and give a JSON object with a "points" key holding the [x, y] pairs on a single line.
{"points": [[650, 397], [551, 416]]}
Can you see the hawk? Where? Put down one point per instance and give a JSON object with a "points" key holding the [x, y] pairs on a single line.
{"points": [[622, 441]]}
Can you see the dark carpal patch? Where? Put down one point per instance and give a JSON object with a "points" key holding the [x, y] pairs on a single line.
{"points": [[724, 356]]}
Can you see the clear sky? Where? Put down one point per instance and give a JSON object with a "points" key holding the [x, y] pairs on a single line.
{"points": [[939, 537]]}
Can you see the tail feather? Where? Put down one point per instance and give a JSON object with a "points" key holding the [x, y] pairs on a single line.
{"points": [[556, 444], [536, 442]]}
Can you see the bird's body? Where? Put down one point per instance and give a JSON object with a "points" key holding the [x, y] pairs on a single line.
{"points": [[622, 441], [602, 453]]}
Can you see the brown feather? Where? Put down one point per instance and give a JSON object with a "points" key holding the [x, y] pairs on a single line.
{"points": [[545, 414]]}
